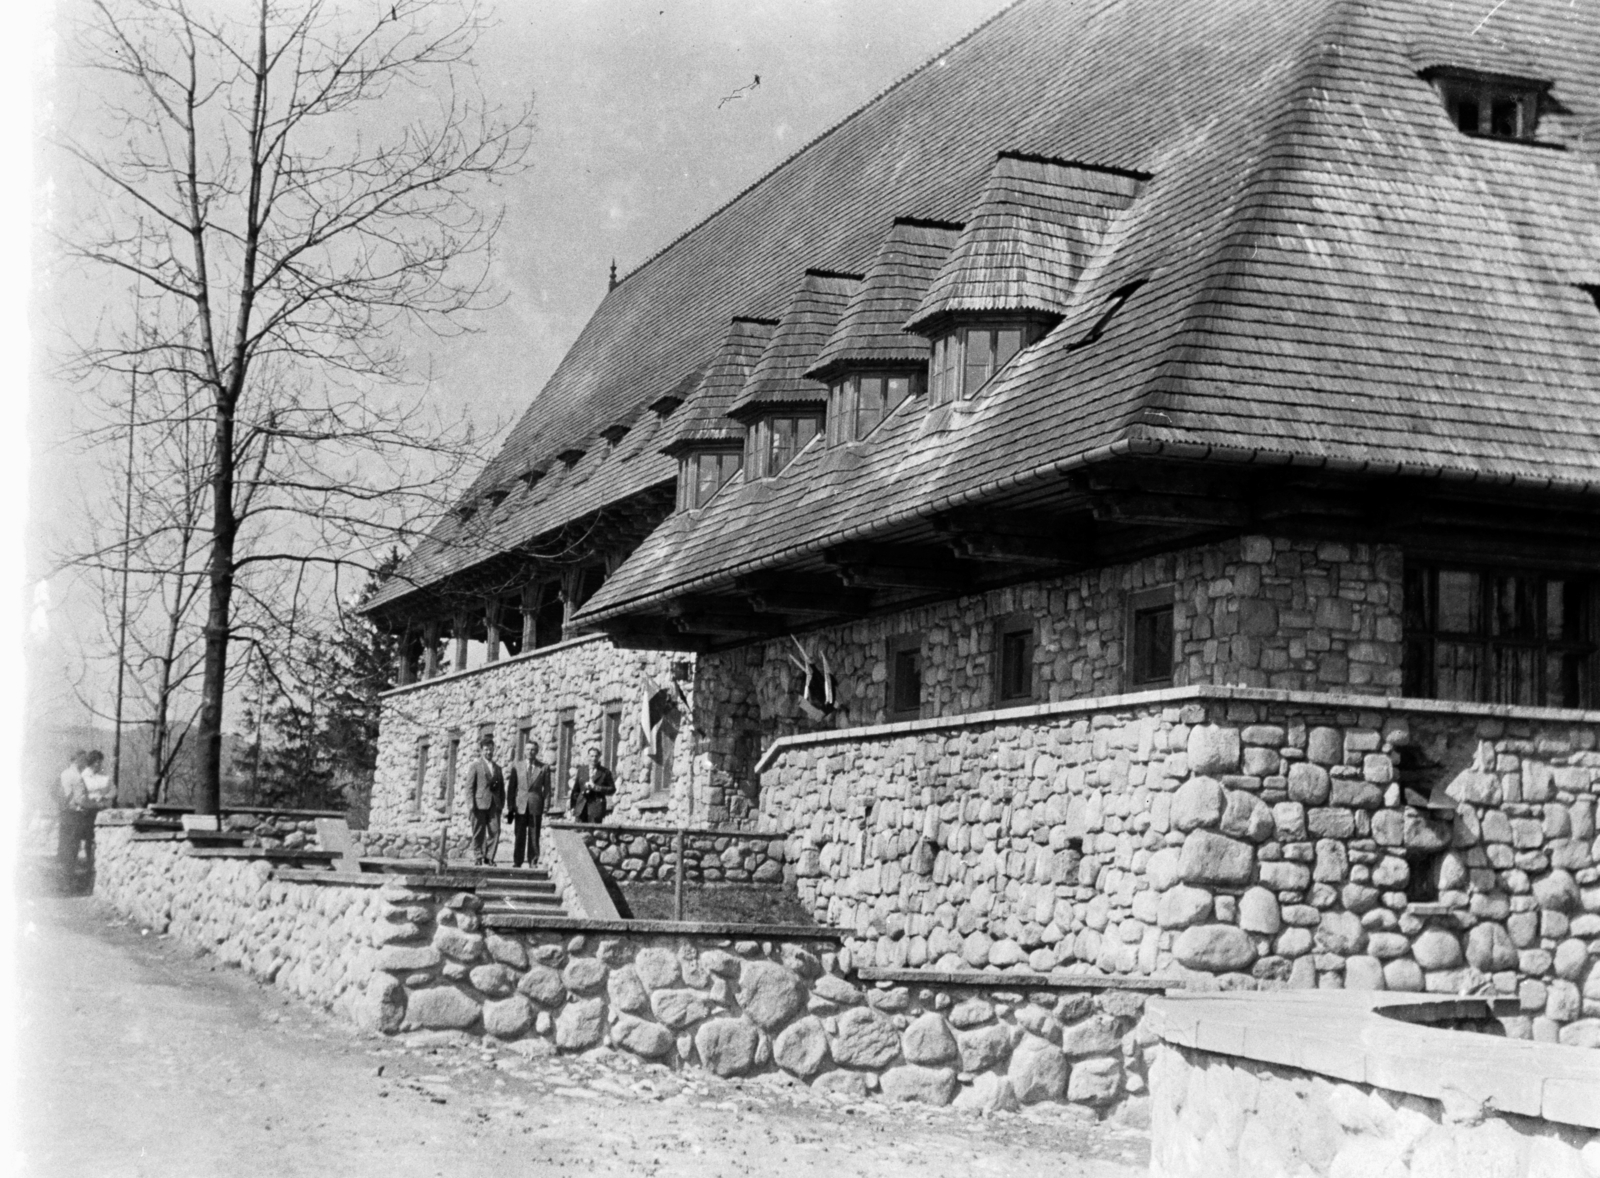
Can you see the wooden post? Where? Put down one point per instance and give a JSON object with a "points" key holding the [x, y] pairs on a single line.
{"points": [[491, 629], [404, 667], [530, 616], [430, 649], [462, 626]]}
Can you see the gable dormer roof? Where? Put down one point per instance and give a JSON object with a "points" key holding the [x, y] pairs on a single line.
{"points": [[703, 418]]}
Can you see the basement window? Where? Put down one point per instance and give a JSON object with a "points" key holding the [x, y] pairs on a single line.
{"points": [[1150, 644], [905, 677], [1490, 107], [857, 403]]}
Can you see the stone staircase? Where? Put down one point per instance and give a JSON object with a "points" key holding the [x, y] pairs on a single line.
{"points": [[513, 891]]}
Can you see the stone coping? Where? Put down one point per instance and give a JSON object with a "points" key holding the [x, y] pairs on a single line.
{"points": [[714, 831], [712, 928], [1022, 980], [267, 853], [1362, 1038], [349, 879], [528, 657], [1332, 701]]}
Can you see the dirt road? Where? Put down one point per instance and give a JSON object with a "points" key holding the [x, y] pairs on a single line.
{"points": [[140, 1059]]}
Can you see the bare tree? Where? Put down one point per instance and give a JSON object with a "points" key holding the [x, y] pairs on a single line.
{"points": [[245, 177]]}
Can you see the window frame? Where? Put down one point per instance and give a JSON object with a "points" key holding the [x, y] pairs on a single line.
{"points": [[420, 778], [610, 734], [1004, 629], [566, 739], [1422, 632], [1485, 92], [843, 421], [894, 648], [452, 765], [948, 366], [691, 468], [760, 452], [1149, 603]]}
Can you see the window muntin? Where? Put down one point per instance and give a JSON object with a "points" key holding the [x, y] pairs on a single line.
{"points": [[701, 476], [905, 677], [1499, 636], [773, 442], [1492, 109], [858, 403], [966, 359]]}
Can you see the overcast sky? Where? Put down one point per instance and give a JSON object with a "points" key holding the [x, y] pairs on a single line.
{"points": [[634, 145]]}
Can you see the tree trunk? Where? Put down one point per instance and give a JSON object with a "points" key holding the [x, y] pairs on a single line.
{"points": [[218, 629]]}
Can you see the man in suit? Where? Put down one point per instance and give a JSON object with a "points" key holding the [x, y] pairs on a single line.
{"points": [[486, 794], [527, 790], [593, 786]]}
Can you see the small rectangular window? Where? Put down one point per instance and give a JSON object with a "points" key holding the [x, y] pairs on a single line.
{"points": [[868, 407], [1150, 640], [419, 785], [566, 737], [905, 677], [979, 365], [452, 756], [1015, 642], [610, 735], [519, 751]]}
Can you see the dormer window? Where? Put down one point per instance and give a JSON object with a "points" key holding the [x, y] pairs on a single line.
{"points": [[496, 497], [857, 403], [772, 442], [614, 434], [702, 475], [530, 477], [569, 458], [967, 358], [1490, 107]]}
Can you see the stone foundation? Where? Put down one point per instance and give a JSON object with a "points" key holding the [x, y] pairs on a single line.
{"points": [[648, 854], [1220, 835]]}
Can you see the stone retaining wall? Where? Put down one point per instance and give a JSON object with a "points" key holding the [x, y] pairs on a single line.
{"points": [[648, 854], [1221, 835], [1256, 1085], [584, 676], [754, 1002], [317, 942], [389, 844]]}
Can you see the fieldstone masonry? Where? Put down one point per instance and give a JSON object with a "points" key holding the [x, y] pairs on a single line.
{"points": [[586, 675], [1222, 836], [1253, 611], [648, 854]]}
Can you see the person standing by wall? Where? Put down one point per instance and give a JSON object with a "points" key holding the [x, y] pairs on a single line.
{"points": [[99, 794], [527, 791], [595, 783], [72, 799], [486, 794]]}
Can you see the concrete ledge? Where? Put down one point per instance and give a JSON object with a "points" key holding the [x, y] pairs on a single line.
{"points": [[576, 867], [1028, 980], [1361, 1038], [711, 928], [271, 854], [1332, 701], [639, 828], [348, 879]]}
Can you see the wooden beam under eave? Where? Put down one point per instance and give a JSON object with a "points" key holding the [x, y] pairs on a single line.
{"points": [[838, 602], [1140, 507]]}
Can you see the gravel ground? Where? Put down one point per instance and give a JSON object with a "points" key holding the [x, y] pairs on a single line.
{"points": [[139, 1058]]}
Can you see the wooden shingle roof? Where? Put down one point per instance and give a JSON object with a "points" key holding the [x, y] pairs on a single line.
{"points": [[703, 418], [779, 377], [1030, 235], [871, 330], [1333, 275]]}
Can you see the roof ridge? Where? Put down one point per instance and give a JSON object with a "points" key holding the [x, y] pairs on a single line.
{"points": [[810, 143]]}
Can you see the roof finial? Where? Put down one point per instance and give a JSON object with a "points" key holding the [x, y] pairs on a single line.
{"points": [[613, 284]]}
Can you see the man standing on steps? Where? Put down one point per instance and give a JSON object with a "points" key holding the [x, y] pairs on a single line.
{"points": [[527, 790], [594, 785], [486, 793]]}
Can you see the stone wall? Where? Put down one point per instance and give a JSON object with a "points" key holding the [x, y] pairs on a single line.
{"points": [[1253, 611], [751, 1003], [1227, 836], [417, 844], [586, 675], [317, 942], [1253, 1085], [648, 854]]}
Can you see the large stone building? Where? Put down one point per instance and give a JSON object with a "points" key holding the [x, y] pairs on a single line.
{"points": [[1138, 394]]}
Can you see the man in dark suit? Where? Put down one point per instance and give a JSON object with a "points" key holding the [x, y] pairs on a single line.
{"points": [[593, 786], [486, 794], [527, 790]]}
